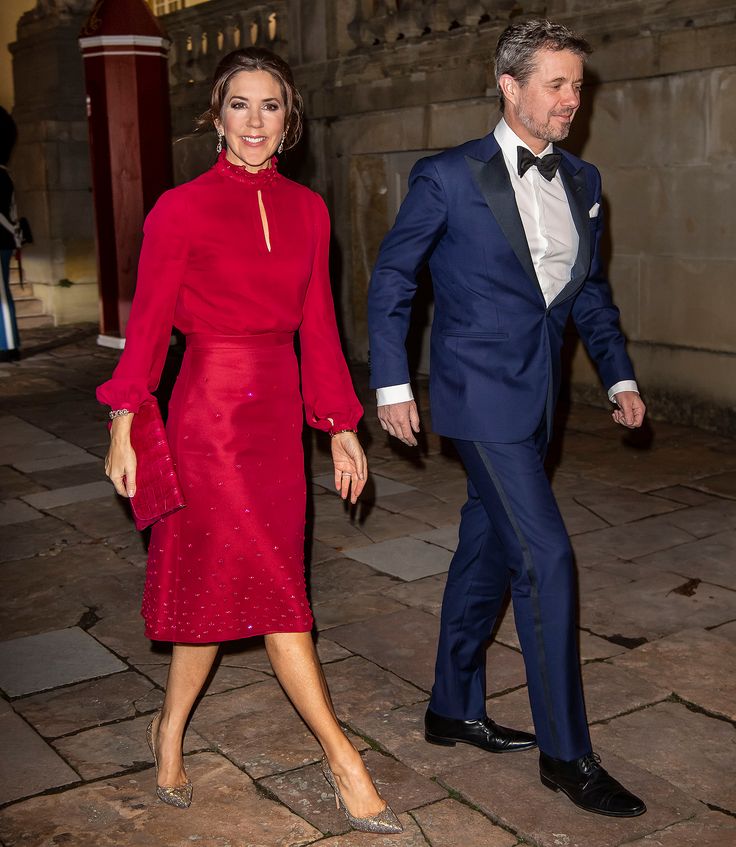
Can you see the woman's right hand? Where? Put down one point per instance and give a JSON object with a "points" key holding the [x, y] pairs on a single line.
{"points": [[121, 460]]}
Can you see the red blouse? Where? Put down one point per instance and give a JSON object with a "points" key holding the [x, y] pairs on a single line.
{"points": [[205, 267]]}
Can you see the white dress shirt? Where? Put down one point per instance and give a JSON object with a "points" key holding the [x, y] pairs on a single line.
{"points": [[550, 233], [545, 215]]}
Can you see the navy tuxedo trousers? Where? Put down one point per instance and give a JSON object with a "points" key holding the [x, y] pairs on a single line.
{"points": [[511, 530]]}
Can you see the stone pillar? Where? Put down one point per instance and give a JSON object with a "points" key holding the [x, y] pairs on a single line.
{"points": [[50, 164]]}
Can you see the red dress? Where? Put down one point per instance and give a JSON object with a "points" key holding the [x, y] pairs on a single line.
{"points": [[231, 563]]}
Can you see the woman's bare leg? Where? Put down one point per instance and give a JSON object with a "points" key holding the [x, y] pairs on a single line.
{"points": [[190, 666], [295, 663]]}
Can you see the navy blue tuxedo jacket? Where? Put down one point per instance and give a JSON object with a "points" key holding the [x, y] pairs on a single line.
{"points": [[495, 344]]}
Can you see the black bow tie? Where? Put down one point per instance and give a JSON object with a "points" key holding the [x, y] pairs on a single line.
{"points": [[547, 165]]}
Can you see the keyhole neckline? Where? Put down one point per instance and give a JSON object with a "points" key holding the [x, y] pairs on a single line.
{"points": [[264, 221]]}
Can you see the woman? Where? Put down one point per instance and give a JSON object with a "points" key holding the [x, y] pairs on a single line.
{"points": [[238, 260]]}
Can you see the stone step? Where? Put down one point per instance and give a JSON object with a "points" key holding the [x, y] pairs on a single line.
{"points": [[18, 293], [34, 321], [28, 306], [28, 309]]}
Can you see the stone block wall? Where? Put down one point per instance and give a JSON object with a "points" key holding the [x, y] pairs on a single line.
{"points": [[665, 147], [659, 121], [50, 164], [386, 83]]}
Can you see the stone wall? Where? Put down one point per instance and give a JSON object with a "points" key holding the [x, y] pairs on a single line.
{"points": [[665, 144], [50, 163], [10, 12], [659, 120], [388, 82]]}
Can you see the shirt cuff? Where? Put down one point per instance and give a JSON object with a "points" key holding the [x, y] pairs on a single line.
{"points": [[394, 394], [624, 385]]}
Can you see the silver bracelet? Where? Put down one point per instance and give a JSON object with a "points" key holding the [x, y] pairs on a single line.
{"points": [[334, 432], [117, 413]]}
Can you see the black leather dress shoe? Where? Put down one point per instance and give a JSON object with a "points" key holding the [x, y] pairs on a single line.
{"points": [[484, 734], [589, 786]]}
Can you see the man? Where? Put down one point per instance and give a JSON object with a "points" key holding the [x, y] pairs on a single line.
{"points": [[511, 228]]}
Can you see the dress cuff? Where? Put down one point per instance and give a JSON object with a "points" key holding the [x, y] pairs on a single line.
{"points": [[341, 423], [337, 429], [394, 394], [127, 396], [624, 385]]}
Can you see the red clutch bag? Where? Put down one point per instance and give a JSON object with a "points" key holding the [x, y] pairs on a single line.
{"points": [[158, 492]]}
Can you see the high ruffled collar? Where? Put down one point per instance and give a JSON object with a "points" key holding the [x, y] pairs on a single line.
{"points": [[265, 176]]}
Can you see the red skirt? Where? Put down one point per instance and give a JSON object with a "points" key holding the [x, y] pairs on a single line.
{"points": [[231, 563]]}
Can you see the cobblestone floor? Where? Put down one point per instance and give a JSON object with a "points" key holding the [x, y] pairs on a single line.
{"points": [[653, 524]]}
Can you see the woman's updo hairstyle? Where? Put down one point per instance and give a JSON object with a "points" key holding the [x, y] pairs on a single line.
{"points": [[257, 59]]}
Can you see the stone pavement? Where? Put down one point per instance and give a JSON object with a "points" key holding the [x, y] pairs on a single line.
{"points": [[653, 524]]}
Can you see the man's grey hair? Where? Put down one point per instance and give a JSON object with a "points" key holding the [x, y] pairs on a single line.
{"points": [[518, 45]]}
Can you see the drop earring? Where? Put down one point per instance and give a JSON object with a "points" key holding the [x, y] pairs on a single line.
{"points": [[219, 143], [280, 148]]}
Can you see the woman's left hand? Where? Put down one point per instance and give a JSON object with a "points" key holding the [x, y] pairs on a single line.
{"points": [[351, 465]]}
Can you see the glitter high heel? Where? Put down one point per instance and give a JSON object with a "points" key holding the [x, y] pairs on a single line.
{"points": [[179, 795], [384, 822]]}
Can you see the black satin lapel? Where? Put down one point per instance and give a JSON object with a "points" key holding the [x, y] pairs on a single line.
{"points": [[495, 185], [575, 189], [574, 184]]}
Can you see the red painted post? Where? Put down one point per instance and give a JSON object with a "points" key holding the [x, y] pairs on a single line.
{"points": [[126, 71]]}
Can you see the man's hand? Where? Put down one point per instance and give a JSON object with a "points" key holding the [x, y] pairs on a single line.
{"points": [[631, 409], [400, 420]]}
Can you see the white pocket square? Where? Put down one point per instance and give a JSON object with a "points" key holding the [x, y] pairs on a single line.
{"points": [[593, 213]]}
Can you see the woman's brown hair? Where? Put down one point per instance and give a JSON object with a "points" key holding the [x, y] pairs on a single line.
{"points": [[257, 59]]}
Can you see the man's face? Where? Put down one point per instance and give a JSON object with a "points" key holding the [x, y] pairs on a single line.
{"points": [[547, 102]]}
